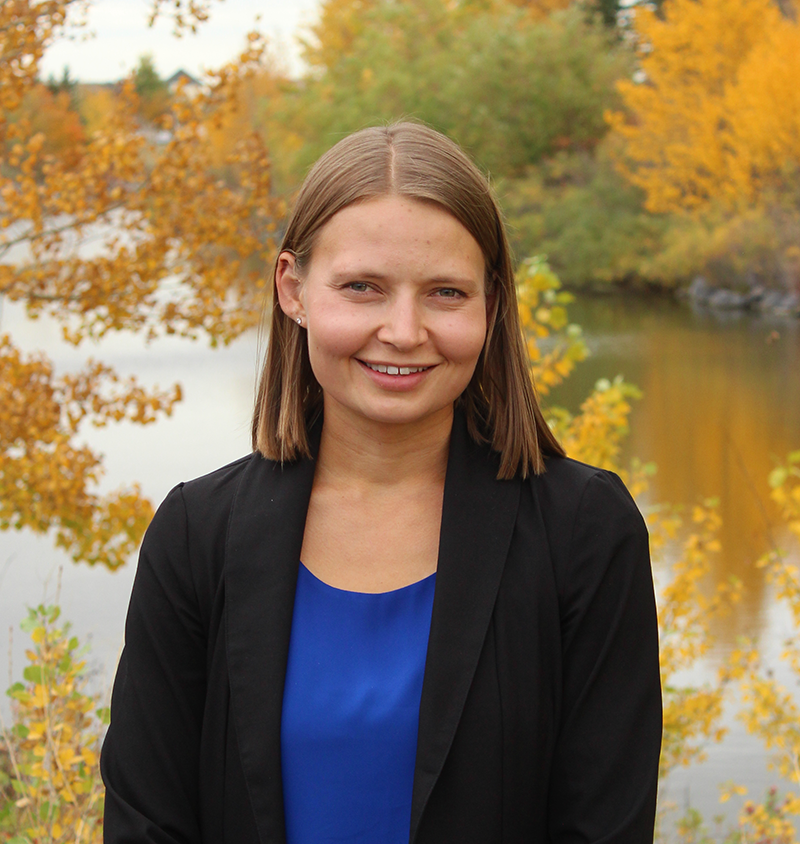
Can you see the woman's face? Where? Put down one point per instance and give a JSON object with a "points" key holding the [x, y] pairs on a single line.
{"points": [[395, 307]]}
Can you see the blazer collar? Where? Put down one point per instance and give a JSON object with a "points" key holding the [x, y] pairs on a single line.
{"points": [[262, 557], [478, 516], [265, 536]]}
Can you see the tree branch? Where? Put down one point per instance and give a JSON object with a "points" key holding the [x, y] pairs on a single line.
{"points": [[72, 226]]}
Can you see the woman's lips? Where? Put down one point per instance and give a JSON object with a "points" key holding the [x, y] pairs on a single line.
{"points": [[391, 369], [394, 376]]}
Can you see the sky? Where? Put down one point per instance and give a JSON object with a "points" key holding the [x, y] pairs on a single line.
{"points": [[121, 36]]}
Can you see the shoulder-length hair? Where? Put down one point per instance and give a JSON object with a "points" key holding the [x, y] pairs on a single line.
{"points": [[409, 160]]}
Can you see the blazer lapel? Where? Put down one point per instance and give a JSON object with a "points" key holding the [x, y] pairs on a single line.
{"points": [[478, 517], [265, 537]]}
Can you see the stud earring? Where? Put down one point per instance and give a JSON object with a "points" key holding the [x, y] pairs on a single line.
{"points": [[299, 320]]}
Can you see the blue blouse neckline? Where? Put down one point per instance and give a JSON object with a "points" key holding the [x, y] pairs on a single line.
{"points": [[419, 584]]}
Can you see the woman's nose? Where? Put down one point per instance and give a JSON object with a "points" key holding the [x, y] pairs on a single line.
{"points": [[403, 326]]}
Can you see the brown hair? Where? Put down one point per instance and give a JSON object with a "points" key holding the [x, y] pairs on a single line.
{"points": [[414, 161]]}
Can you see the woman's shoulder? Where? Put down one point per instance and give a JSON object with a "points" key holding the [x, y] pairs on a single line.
{"points": [[569, 488], [202, 505], [186, 539], [569, 477], [593, 527], [567, 471], [217, 487]]}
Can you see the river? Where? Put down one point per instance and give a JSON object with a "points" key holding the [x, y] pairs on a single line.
{"points": [[720, 406]]}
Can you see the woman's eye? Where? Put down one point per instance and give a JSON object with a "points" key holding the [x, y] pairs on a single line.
{"points": [[358, 286], [448, 293]]}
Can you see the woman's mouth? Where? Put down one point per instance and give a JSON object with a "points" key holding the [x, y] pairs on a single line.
{"points": [[389, 369]]}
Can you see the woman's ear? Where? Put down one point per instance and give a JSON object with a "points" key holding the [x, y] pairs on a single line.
{"points": [[289, 286]]}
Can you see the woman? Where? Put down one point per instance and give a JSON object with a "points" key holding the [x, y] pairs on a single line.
{"points": [[468, 650]]}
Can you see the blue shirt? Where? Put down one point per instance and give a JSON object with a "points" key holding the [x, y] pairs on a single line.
{"points": [[351, 711]]}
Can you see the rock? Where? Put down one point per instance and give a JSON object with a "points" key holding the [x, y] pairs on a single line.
{"points": [[704, 295], [699, 290], [789, 305], [770, 301], [754, 296], [726, 300]]}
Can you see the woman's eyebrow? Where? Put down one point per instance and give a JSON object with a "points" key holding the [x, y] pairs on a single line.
{"points": [[353, 272]]}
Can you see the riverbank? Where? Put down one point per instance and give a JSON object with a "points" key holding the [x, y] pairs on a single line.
{"points": [[757, 299], [703, 296]]}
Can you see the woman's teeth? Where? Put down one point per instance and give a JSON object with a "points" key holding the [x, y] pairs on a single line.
{"points": [[395, 370]]}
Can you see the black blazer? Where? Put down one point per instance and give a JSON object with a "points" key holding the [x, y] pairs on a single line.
{"points": [[540, 718]]}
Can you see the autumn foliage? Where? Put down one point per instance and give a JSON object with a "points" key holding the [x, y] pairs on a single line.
{"points": [[53, 791], [181, 250], [714, 114]]}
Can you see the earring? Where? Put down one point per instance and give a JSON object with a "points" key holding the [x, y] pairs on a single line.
{"points": [[299, 320]]}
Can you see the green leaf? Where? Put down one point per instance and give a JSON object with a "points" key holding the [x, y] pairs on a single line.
{"points": [[778, 476], [21, 695], [33, 673], [29, 624], [104, 714]]}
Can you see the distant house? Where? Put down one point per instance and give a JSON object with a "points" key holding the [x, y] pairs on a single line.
{"points": [[192, 86]]}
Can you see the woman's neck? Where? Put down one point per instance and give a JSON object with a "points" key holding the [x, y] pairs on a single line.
{"points": [[363, 452]]}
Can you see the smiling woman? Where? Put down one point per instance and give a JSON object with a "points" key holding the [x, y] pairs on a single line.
{"points": [[395, 310], [407, 616]]}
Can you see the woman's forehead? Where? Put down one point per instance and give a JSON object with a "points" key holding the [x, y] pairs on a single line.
{"points": [[381, 232]]}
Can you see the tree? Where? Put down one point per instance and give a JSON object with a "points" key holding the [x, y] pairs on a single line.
{"points": [[66, 83], [579, 211], [508, 87], [608, 9], [151, 89], [53, 790], [183, 253], [51, 114], [714, 115], [96, 106], [763, 108]]}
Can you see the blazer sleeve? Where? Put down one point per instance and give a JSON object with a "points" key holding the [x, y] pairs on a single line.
{"points": [[605, 772], [150, 755]]}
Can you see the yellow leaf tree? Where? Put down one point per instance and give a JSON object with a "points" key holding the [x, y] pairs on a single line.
{"points": [[713, 115], [182, 252], [56, 793]]}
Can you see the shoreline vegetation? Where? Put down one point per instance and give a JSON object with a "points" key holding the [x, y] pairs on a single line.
{"points": [[639, 145]]}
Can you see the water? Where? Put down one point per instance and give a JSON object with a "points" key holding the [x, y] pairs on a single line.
{"points": [[721, 408], [721, 405]]}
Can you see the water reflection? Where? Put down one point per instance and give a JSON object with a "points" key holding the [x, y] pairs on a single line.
{"points": [[721, 406]]}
